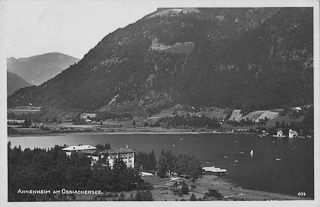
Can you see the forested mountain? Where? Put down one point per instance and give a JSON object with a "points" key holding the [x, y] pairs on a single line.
{"points": [[40, 68], [14, 82], [251, 58]]}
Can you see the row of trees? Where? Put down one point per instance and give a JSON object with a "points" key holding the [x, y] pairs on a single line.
{"points": [[168, 163], [242, 122], [188, 121], [187, 165], [146, 162]]}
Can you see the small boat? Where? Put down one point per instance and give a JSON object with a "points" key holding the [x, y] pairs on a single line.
{"points": [[251, 152]]}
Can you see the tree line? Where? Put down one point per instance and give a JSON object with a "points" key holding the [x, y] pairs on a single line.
{"points": [[187, 121]]}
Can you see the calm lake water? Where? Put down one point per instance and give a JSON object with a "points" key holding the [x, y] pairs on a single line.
{"points": [[277, 165]]}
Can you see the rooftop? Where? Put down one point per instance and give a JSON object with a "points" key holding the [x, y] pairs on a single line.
{"points": [[79, 147], [117, 151], [89, 152]]}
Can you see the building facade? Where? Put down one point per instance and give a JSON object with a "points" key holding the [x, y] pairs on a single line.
{"points": [[19, 110], [126, 154]]}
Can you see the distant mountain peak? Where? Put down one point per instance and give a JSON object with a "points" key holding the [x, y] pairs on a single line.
{"points": [[40, 68]]}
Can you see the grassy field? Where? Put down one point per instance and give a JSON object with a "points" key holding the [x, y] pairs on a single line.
{"points": [[286, 119]]}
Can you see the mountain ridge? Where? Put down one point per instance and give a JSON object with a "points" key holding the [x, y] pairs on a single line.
{"points": [[249, 58]]}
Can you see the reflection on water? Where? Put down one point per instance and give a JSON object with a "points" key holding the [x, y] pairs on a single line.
{"points": [[276, 165]]}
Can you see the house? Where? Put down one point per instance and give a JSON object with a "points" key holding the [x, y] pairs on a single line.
{"points": [[292, 133], [79, 148], [126, 154], [86, 115], [279, 133], [296, 109], [19, 110]]}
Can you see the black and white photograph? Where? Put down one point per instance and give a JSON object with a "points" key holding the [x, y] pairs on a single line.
{"points": [[113, 102]]}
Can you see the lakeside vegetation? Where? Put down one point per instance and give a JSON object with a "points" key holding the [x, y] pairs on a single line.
{"points": [[51, 169]]}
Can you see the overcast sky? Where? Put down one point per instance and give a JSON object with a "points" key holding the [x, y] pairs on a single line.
{"points": [[73, 27]]}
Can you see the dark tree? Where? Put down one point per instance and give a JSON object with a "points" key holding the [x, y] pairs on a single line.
{"points": [[193, 197], [167, 162], [184, 188]]}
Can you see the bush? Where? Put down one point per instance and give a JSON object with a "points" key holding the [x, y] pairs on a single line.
{"points": [[184, 188], [144, 185], [144, 196], [162, 175], [213, 193], [193, 197], [121, 198]]}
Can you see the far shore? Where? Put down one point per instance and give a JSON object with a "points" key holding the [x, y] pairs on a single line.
{"points": [[122, 131]]}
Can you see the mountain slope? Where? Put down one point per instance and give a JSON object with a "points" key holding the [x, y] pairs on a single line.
{"points": [[14, 82], [40, 68], [248, 58]]}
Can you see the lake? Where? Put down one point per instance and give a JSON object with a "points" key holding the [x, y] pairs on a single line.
{"points": [[278, 165]]}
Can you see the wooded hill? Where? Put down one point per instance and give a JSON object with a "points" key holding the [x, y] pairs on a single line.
{"points": [[14, 82], [248, 58]]}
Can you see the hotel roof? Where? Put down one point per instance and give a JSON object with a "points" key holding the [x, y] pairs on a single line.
{"points": [[117, 151], [79, 147]]}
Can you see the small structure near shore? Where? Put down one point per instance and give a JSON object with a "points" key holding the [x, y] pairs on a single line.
{"points": [[214, 171], [279, 133], [293, 133]]}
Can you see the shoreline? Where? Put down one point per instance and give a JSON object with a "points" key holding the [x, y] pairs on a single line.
{"points": [[164, 132], [250, 194]]}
